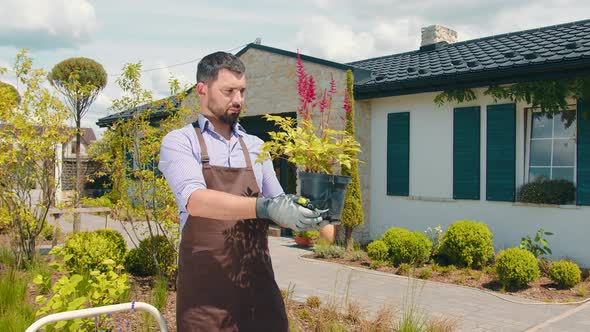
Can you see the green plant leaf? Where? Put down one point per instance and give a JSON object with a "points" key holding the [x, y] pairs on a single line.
{"points": [[76, 303], [38, 280]]}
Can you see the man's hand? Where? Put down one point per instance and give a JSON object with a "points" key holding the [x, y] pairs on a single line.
{"points": [[285, 211]]}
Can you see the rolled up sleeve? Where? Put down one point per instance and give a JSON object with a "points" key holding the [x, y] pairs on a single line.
{"points": [[181, 168], [271, 187]]}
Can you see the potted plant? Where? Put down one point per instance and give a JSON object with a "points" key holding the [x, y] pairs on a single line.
{"points": [[316, 149], [306, 238]]}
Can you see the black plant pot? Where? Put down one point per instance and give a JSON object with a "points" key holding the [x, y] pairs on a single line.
{"points": [[325, 191]]}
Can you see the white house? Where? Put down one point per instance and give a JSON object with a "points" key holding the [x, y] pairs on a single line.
{"points": [[426, 165], [434, 165]]}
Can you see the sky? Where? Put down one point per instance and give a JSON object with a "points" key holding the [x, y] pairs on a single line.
{"points": [[163, 34]]}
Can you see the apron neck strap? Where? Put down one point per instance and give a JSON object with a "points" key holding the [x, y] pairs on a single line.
{"points": [[205, 155], [246, 153]]}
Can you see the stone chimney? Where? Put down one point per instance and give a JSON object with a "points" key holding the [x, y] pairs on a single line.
{"points": [[437, 33]]}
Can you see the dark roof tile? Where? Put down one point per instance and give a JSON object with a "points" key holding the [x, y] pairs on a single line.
{"points": [[523, 49]]}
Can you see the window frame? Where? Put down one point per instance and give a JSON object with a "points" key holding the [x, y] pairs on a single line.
{"points": [[529, 137]]}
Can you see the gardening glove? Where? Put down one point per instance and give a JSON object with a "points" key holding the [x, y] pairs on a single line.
{"points": [[287, 212]]}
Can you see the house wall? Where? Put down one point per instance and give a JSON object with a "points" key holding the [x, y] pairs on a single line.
{"points": [[431, 182]]}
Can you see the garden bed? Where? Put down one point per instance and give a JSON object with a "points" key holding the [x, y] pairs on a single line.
{"points": [[542, 289]]}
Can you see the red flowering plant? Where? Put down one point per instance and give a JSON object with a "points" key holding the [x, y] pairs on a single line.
{"points": [[310, 143]]}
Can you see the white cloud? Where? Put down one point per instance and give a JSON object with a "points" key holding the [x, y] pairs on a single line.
{"points": [[322, 37], [349, 30], [47, 24], [158, 80]]}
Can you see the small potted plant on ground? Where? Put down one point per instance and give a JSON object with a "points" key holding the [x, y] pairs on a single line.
{"points": [[306, 239], [316, 149]]}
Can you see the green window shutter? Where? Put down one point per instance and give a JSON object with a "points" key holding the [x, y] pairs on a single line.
{"points": [[398, 154], [583, 167], [466, 152], [501, 153]]}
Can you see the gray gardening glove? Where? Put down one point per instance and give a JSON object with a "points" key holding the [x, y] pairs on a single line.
{"points": [[287, 212]]}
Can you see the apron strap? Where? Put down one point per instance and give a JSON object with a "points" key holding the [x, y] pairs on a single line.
{"points": [[246, 153], [204, 154]]}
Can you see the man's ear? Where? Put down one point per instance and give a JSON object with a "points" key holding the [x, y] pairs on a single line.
{"points": [[202, 88]]}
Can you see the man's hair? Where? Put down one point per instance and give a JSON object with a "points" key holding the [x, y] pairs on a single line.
{"points": [[209, 66]]}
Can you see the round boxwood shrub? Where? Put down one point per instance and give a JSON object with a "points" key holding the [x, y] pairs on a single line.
{"points": [[566, 274], [139, 261], [86, 251], [468, 243], [516, 267], [378, 250], [407, 247], [115, 237]]}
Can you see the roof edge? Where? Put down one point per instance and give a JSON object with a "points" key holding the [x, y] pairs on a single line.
{"points": [[474, 80], [294, 55]]}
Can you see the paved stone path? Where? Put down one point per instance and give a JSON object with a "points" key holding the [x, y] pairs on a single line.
{"points": [[472, 309]]}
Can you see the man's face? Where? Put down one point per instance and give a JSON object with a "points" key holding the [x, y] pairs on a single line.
{"points": [[225, 96]]}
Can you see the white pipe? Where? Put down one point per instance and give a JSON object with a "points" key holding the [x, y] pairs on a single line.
{"points": [[68, 315]]}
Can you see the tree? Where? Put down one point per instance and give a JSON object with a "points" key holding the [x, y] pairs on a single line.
{"points": [[79, 80], [352, 214], [129, 152], [29, 134], [12, 97]]}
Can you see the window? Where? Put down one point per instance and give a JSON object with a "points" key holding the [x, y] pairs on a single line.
{"points": [[552, 148], [73, 146]]}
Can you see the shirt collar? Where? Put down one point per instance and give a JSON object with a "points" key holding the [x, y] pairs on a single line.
{"points": [[205, 125]]}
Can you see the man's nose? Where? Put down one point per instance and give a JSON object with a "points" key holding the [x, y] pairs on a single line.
{"points": [[237, 98]]}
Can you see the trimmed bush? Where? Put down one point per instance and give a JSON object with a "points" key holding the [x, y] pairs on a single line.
{"points": [[86, 251], [565, 273], [516, 267], [139, 261], [115, 237], [468, 243], [545, 191], [378, 250], [407, 247]]}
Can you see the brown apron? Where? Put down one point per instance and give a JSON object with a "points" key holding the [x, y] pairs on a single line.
{"points": [[225, 276]]}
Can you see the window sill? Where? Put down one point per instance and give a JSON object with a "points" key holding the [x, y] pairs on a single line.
{"points": [[431, 199], [555, 206]]}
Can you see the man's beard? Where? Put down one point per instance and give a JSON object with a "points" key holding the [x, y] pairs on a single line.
{"points": [[224, 114], [229, 118]]}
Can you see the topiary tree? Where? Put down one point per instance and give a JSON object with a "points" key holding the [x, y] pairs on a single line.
{"points": [[79, 80], [352, 214], [11, 95]]}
